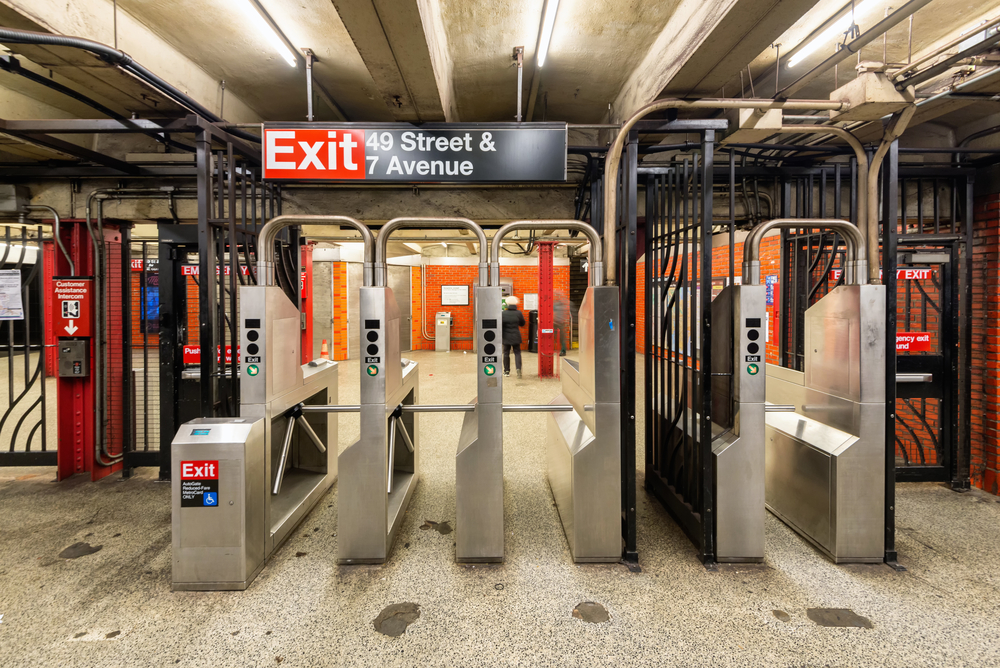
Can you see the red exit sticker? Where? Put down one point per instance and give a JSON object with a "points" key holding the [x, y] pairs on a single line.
{"points": [[200, 470], [314, 154], [913, 341]]}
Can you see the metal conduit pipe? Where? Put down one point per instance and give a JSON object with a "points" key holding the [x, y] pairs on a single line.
{"points": [[855, 266], [97, 241], [571, 225], [268, 234], [55, 233], [895, 128], [381, 273], [122, 60], [615, 150], [859, 154]]}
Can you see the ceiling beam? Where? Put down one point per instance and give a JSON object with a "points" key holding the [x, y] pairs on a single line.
{"points": [[403, 45], [62, 146], [702, 46]]}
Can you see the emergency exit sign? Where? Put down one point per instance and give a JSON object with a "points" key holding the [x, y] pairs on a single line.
{"points": [[430, 153]]}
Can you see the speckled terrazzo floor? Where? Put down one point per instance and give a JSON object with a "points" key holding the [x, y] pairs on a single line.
{"points": [[304, 610]]}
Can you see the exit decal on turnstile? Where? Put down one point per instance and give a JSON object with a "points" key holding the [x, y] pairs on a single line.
{"points": [[200, 484], [372, 370]]}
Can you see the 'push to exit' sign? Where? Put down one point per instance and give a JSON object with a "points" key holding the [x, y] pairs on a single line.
{"points": [[433, 152]]}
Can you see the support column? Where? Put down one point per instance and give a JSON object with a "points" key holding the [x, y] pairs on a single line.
{"points": [[546, 326], [75, 412]]}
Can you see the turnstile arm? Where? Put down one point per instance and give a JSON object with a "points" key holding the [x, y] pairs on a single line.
{"points": [[406, 435], [307, 428], [392, 452], [283, 460]]}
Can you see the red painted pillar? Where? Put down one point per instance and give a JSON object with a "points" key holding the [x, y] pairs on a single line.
{"points": [[546, 326], [306, 285], [75, 396]]}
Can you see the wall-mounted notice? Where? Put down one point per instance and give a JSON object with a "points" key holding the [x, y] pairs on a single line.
{"points": [[454, 295], [10, 295], [530, 302]]}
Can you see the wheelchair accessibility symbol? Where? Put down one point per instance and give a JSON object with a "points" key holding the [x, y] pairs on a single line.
{"points": [[211, 499]]}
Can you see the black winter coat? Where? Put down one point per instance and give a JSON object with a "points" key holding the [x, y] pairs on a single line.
{"points": [[512, 320]]}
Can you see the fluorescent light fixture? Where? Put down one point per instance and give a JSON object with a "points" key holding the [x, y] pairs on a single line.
{"points": [[831, 34], [548, 22], [254, 12]]}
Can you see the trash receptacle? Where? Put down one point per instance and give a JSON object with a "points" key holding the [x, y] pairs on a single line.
{"points": [[442, 331]]}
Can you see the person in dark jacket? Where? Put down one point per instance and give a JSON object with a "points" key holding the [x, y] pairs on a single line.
{"points": [[512, 320]]}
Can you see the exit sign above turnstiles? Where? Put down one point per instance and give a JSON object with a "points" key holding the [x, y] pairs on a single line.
{"points": [[429, 153]]}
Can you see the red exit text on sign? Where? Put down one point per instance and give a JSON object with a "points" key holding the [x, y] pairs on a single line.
{"points": [[314, 154]]}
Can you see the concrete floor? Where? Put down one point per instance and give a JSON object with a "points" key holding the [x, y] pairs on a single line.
{"points": [[115, 607]]}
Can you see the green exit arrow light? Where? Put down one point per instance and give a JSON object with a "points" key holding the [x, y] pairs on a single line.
{"points": [[253, 370], [489, 369]]}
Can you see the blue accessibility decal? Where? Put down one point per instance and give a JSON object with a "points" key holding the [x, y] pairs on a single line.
{"points": [[211, 499]]}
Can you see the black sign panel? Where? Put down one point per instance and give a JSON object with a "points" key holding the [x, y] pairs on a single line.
{"points": [[252, 360], [489, 359], [373, 360], [753, 358], [430, 153], [199, 493]]}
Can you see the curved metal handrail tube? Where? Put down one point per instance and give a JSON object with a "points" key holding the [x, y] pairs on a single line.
{"points": [[855, 265], [268, 233], [613, 156], [596, 265], [381, 278]]}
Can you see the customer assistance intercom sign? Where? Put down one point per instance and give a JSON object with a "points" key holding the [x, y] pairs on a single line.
{"points": [[430, 153]]}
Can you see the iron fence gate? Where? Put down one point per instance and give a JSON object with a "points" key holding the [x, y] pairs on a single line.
{"points": [[24, 419], [679, 282], [930, 295]]}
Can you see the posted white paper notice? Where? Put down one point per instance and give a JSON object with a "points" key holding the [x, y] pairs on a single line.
{"points": [[10, 295]]}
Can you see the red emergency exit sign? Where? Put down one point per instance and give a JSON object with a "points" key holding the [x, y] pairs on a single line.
{"points": [[912, 342]]}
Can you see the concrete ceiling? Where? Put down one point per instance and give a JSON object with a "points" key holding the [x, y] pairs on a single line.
{"points": [[432, 60]]}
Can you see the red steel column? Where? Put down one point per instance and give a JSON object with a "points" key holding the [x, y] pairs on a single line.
{"points": [[74, 396], [546, 327]]}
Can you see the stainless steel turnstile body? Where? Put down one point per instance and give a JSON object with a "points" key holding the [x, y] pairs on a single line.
{"points": [[584, 445], [738, 422], [284, 472], [379, 472], [218, 503], [826, 461], [479, 461]]}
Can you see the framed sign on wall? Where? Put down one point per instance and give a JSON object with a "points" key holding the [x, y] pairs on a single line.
{"points": [[454, 295]]}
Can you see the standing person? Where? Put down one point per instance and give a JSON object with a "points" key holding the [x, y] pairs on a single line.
{"points": [[512, 320]]}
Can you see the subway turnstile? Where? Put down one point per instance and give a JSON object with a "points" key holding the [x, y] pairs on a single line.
{"points": [[825, 426], [826, 461], [583, 441], [241, 485], [584, 445], [738, 422], [379, 471], [479, 461]]}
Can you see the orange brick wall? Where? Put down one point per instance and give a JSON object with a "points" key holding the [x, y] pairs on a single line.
{"points": [[338, 349], [985, 423], [525, 281]]}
